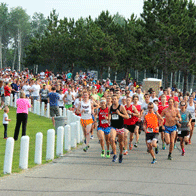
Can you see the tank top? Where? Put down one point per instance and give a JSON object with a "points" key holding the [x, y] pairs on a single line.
{"points": [[151, 122], [87, 110], [102, 121], [69, 99], [116, 120], [132, 119], [191, 109]]}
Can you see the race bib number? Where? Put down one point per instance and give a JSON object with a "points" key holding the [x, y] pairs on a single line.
{"points": [[179, 132], [86, 111], [115, 116], [104, 122], [150, 130]]}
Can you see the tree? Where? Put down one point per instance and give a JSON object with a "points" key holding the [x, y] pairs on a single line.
{"points": [[4, 36]]}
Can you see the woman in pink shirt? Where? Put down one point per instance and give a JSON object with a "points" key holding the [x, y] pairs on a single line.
{"points": [[22, 114]]}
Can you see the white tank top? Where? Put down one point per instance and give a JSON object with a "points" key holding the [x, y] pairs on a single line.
{"points": [[191, 109], [87, 110]]}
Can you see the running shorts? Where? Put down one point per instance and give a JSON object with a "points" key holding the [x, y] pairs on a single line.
{"points": [[85, 122], [151, 136], [105, 130], [131, 128], [119, 131], [170, 129], [183, 134]]}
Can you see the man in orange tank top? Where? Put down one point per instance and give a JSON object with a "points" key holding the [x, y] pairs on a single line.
{"points": [[151, 127]]}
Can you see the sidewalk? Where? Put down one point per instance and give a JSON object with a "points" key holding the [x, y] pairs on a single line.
{"points": [[80, 173]]}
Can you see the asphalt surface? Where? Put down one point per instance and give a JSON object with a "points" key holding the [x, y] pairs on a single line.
{"points": [[80, 173]]}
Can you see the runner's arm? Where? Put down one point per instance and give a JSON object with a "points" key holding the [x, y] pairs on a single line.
{"points": [[136, 113], [160, 118], [124, 112]]}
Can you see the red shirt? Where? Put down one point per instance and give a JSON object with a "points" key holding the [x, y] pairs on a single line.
{"points": [[98, 86], [176, 98], [132, 119], [167, 97], [7, 91], [47, 73], [102, 121]]}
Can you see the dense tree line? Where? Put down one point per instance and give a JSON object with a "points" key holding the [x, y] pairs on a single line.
{"points": [[162, 38]]}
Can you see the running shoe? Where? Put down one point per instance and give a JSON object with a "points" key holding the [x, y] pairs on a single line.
{"points": [[163, 147], [169, 157], [130, 146], [88, 146], [120, 158], [135, 145], [125, 152], [103, 153], [108, 154], [114, 158], [112, 152], [153, 161], [92, 137], [175, 146], [157, 150], [183, 152], [85, 140], [189, 141], [85, 149]]}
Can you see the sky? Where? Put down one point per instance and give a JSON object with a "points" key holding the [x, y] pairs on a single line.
{"points": [[79, 8]]}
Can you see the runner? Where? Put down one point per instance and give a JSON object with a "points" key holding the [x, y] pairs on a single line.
{"points": [[191, 108], [161, 107], [117, 113], [130, 124], [85, 108], [103, 128], [151, 127], [171, 116], [184, 126]]}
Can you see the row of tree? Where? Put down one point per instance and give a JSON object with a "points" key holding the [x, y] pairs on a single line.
{"points": [[17, 29], [163, 38]]}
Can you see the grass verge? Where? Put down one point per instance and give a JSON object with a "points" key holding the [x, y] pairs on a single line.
{"points": [[35, 124]]}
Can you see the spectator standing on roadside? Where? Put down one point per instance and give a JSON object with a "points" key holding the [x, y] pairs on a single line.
{"points": [[22, 114], [5, 121], [7, 92], [53, 99]]}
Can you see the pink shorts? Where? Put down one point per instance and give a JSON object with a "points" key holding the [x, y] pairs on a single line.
{"points": [[119, 131]]}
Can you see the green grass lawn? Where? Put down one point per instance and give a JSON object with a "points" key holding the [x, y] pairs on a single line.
{"points": [[35, 124]]}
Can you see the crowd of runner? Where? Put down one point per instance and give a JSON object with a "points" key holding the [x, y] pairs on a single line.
{"points": [[115, 112]]}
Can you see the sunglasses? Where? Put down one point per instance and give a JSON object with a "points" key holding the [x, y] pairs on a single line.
{"points": [[150, 107], [183, 105]]}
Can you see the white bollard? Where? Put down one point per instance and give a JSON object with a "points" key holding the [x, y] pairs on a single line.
{"points": [[11, 99], [60, 111], [38, 148], [50, 144], [67, 138], [43, 109], [68, 116], [73, 135], [30, 104], [64, 112], [34, 106], [24, 152], [81, 134], [9, 150], [59, 144], [48, 110], [15, 99], [38, 108], [78, 131]]}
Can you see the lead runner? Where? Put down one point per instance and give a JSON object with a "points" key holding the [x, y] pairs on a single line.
{"points": [[117, 114]]}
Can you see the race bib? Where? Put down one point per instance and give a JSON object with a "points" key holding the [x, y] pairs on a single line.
{"points": [[104, 121], [86, 111], [150, 130], [179, 132], [115, 116]]}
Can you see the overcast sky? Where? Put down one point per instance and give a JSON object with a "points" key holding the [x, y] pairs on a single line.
{"points": [[79, 8]]}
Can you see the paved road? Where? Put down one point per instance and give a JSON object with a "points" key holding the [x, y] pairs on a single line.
{"points": [[80, 173]]}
